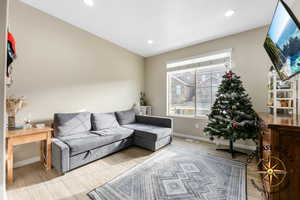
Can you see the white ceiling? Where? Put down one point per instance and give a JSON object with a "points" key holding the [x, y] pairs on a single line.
{"points": [[171, 24]]}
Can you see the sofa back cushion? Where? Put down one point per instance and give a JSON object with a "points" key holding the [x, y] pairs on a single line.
{"points": [[126, 117], [71, 123], [102, 121]]}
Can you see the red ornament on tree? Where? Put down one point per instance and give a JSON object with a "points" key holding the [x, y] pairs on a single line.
{"points": [[234, 124], [229, 75]]}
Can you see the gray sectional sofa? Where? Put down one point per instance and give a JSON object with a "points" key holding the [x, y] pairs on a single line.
{"points": [[80, 138]]}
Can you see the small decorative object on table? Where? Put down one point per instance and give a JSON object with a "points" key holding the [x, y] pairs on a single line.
{"points": [[27, 124], [13, 106], [143, 101], [40, 125]]}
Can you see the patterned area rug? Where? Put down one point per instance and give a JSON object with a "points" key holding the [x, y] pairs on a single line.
{"points": [[178, 175]]}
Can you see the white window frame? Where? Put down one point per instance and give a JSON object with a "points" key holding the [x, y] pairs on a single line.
{"points": [[227, 53]]}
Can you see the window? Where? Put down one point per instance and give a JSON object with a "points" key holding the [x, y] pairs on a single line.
{"points": [[178, 90], [183, 104], [207, 87], [192, 86]]}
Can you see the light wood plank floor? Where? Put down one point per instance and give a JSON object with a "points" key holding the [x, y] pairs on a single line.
{"points": [[32, 182]]}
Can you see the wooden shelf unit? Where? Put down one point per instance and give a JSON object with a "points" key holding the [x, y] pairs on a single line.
{"points": [[278, 95]]}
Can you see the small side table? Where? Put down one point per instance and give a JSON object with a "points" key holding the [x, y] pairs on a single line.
{"points": [[24, 136], [146, 110]]}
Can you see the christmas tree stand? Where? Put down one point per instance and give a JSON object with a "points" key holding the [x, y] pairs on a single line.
{"points": [[231, 150]]}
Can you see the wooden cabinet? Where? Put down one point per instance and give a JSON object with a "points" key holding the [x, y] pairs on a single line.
{"points": [[281, 140]]}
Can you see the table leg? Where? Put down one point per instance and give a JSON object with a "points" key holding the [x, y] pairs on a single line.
{"points": [[10, 160], [42, 152], [49, 151]]}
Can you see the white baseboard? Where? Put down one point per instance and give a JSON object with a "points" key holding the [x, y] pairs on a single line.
{"points": [[26, 162], [241, 146]]}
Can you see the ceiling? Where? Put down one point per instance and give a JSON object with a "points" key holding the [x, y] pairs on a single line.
{"points": [[170, 24]]}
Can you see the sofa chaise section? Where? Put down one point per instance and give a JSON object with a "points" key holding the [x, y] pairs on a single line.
{"points": [[151, 132]]}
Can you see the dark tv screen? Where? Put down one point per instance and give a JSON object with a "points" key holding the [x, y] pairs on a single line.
{"points": [[283, 42]]}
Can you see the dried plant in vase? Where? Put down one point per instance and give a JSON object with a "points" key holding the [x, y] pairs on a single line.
{"points": [[13, 106]]}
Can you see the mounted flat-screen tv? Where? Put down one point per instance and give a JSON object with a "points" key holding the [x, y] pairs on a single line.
{"points": [[283, 42]]}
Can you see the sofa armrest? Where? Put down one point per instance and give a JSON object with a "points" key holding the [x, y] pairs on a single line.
{"points": [[60, 156], [155, 120]]}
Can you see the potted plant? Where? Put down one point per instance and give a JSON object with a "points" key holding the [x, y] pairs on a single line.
{"points": [[143, 101]]}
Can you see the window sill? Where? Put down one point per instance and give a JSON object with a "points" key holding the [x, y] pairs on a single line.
{"points": [[189, 117]]}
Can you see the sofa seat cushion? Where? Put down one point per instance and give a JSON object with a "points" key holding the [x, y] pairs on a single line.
{"points": [[124, 132], [150, 132], [86, 141]]}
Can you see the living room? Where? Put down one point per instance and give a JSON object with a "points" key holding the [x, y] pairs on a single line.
{"points": [[124, 100]]}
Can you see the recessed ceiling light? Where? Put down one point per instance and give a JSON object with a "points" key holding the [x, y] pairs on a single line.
{"points": [[89, 2], [229, 13], [150, 41]]}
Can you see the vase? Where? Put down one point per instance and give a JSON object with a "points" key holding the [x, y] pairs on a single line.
{"points": [[11, 122]]}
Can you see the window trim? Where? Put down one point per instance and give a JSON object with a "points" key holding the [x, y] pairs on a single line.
{"points": [[228, 66], [204, 57], [188, 117]]}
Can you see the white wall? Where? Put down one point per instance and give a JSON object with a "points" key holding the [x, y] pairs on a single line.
{"points": [[61, 68], [296, 9], [3, 44]]}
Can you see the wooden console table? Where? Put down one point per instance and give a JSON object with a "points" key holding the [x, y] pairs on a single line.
{"points": [[24, 136], [281, 140]]}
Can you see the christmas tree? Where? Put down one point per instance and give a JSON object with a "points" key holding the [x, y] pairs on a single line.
{"points": [[232, 116]]}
